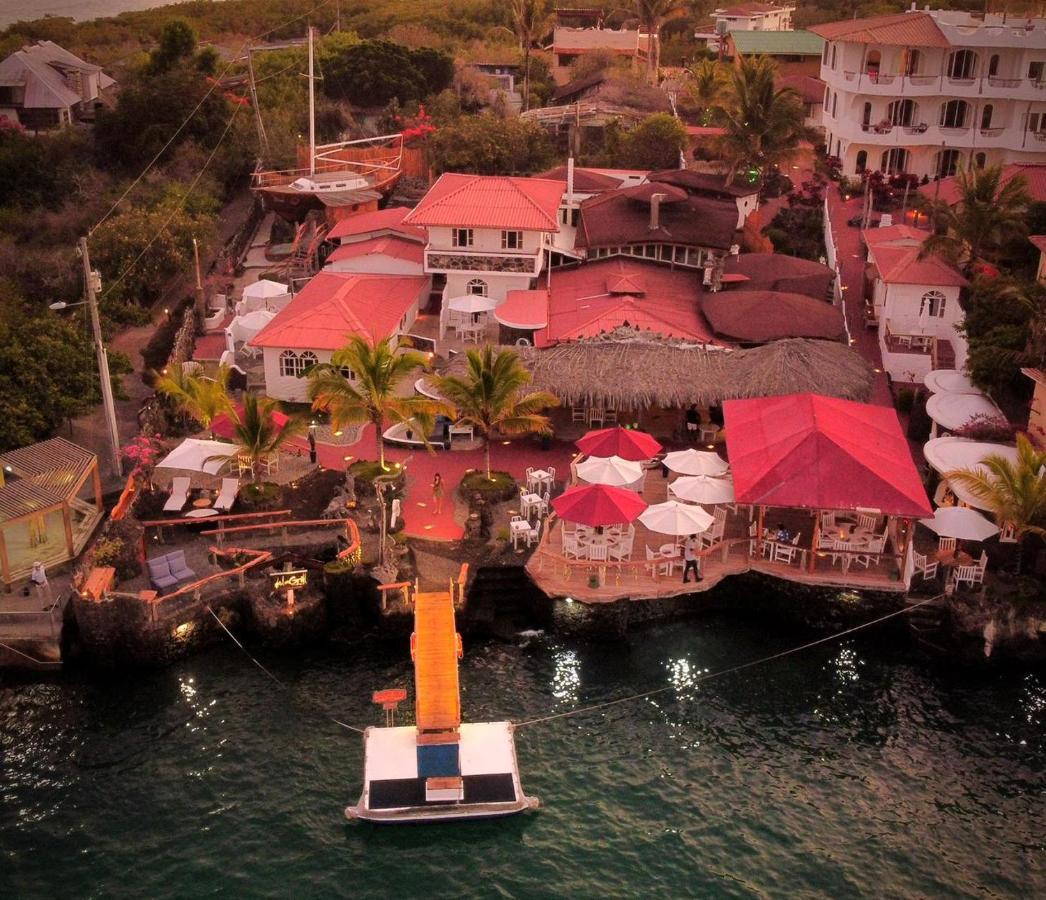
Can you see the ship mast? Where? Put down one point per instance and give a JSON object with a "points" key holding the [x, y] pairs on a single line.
{"points": [[312, 108]]}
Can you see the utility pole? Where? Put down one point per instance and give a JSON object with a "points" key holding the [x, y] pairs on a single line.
{"points": [[263, 139], [92, 282], [337, 21], [201, 300], [312, 109]]}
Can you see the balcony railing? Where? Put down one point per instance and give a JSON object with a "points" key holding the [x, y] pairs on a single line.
{"points": [[906, 342]]}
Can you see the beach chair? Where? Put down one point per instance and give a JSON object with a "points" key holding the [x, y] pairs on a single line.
{"points": [[227, 495], [179, 494]]}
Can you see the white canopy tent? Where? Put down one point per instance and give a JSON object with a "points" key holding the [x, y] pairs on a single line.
{"points": [[952, 411], [696, 462], [612, 470], [703, 489], [196, 455], [471, 303], [263, 294], [949, 381], [672, 517], [945, 454], [243, 328]]}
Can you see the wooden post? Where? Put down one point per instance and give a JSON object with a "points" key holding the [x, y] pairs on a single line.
{"points": [[759, 533], [67, 521], [5, 567], [814, 541], [97, 486]]}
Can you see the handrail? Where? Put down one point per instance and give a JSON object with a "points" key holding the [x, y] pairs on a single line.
{"points": [[226, 518], [32, 659], [352, 532], [260, 557]]}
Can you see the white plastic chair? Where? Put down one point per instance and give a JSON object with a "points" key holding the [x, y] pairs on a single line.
{"points": [[598, 552]]}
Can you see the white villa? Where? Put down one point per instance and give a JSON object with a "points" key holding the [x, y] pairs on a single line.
{"points": [[487, 235], [915, 305], [745, 17], [928, 91]]}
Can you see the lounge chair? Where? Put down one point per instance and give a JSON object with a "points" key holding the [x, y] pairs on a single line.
{"points": [[178, 566], [160, 573], [179, 494], [227, 495]]}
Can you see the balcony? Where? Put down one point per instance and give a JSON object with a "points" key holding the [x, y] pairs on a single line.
{"points": [[884, 84], [923, 134], [898, 340], [480, 261]]}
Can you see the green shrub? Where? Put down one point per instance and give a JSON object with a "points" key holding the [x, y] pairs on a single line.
{"points": [[905, 400], [120, 554], [497, 489], [261, 495], [366, 470], [502, 534]]}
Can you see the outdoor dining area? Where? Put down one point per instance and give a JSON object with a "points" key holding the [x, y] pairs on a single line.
{"points": [[469, 317], [813, 489]]}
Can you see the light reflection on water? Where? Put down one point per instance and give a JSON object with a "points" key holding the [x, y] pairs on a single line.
{"points": [[841, 771]]}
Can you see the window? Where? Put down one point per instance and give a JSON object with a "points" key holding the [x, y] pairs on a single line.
{"points": [[902, 112], [912, 58], [948, 162], [306, 360], [462, 237], [866, 116], [986, 115], [833, 56], [993, 65], [862, 162], [962, 64], [955, 114], [894, 161], [1035, 70], [835, 105], [512, 240], [347, 373], [872, 62], [289, 364], [476, 286], [824, 54], [932, 304], [980, 160]]}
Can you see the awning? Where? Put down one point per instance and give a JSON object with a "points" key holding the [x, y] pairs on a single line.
{"points": [[198, 456], [224, 425], [812, 452], [703, 489], [961, 523], [696, 462], [672, 517], [952, 411], [525, 310], [243, 328], [628, 443], [946, 454]]}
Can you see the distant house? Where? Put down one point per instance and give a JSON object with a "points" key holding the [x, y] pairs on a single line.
{"points": [[743, 194], [744, 17], [571, 44], [504, 80], [487, 235], [810, 89], [915, 304], [44, 86], [376, 243], [794, 52], [324, 314]]}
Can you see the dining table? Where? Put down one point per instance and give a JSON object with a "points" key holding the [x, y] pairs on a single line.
{"points": [[539, 478], [948, 558]]}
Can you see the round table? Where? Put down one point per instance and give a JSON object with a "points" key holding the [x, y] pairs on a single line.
{"points": [[202, 503]]}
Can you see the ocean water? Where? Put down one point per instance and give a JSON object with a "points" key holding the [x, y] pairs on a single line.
{"points": [[844, 771], [81, 10]]}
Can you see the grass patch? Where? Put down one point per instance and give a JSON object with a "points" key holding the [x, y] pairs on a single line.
{"points": [[497, 489]]}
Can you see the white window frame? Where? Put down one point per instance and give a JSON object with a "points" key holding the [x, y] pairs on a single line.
{"points": [[932, 305], [477, 287], [288, 364], [462, 237], [512, 239]]}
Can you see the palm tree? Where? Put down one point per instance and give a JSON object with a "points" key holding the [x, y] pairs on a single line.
{"points": [[652, 15], [257, 433], [1014, 492], [764, 124], [360, 385], [199, 397], [706, 87], [489, 396], [988, 213], [531, 19]]}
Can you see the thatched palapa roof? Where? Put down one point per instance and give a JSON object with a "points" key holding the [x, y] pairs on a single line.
{"points": [[635, 373]]}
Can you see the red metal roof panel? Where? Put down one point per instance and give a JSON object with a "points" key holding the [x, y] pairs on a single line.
{"points": [[490, 201]]}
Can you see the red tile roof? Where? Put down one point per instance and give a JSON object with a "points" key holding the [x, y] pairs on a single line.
{"points": [[1034, 174], [613, 219], [588, 181], [746, 9], [396, 247], [899, 235], [490, 201], [761, 316], [379, 220], [334, 305], [598, 297], [809, 88], [909, 29], [523, 310], [901, 265], [777, 272]]}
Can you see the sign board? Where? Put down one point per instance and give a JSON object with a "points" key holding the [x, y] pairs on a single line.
{"points": [[293, 580]]}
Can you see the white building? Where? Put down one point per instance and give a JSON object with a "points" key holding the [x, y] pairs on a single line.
{"points": [[745, 17], [928, 92], [916, 305], [322, 316], [488, 235], [46, 86]]}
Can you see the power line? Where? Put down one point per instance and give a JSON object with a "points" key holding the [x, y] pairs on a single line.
{"points": [[729, 671]]}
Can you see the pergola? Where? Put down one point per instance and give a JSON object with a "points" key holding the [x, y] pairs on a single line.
{"points": [[39, 485], [822, 454]]}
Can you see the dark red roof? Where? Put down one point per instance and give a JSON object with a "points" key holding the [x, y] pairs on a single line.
{"points": [[761, 316], [908, 29], [705, 183], [815, 452], [809, 88], [777, 272], [588, 181], [1033, 173], [334, 305], [598, 297], [613, 219]]}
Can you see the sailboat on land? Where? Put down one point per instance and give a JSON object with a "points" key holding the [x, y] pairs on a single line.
{"points": [[439, 769]]}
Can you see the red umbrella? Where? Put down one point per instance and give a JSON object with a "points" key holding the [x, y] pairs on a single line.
{"points": [[624, 442], [598, 504]]}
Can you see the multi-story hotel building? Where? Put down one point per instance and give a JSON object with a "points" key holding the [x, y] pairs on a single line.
{"points": [[930, 92]]}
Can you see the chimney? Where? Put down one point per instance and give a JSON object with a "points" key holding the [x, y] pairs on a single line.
{"points": [[655, 210], [570, 179]]}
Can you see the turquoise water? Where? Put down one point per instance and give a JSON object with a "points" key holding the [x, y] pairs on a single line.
{"points": [[26, 10], [844, 771]]}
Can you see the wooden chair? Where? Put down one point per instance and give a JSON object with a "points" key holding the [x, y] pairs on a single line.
{"points": [[578, 414], [243, 464], [786, 552], [924, 565], [945, 543], [598, 552], [827, 521], [571, 549], [868, 522]]}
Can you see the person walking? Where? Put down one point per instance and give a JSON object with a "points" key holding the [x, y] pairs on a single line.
{"points": [[39, 579], [437, 493], [690, 559]]}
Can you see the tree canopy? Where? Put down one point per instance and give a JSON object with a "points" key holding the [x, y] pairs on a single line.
{"points": [[490, 145], [655, 143], [371, 73]]}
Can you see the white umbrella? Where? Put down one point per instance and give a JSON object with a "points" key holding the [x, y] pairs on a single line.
{"points": [[472, 303], [703, 489], [676, 518], [948, 453], [612, 470], [960, 522], [243, 328], [952, 411], [265, 290], [696, 462], [949, 381], [198, 456]]}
